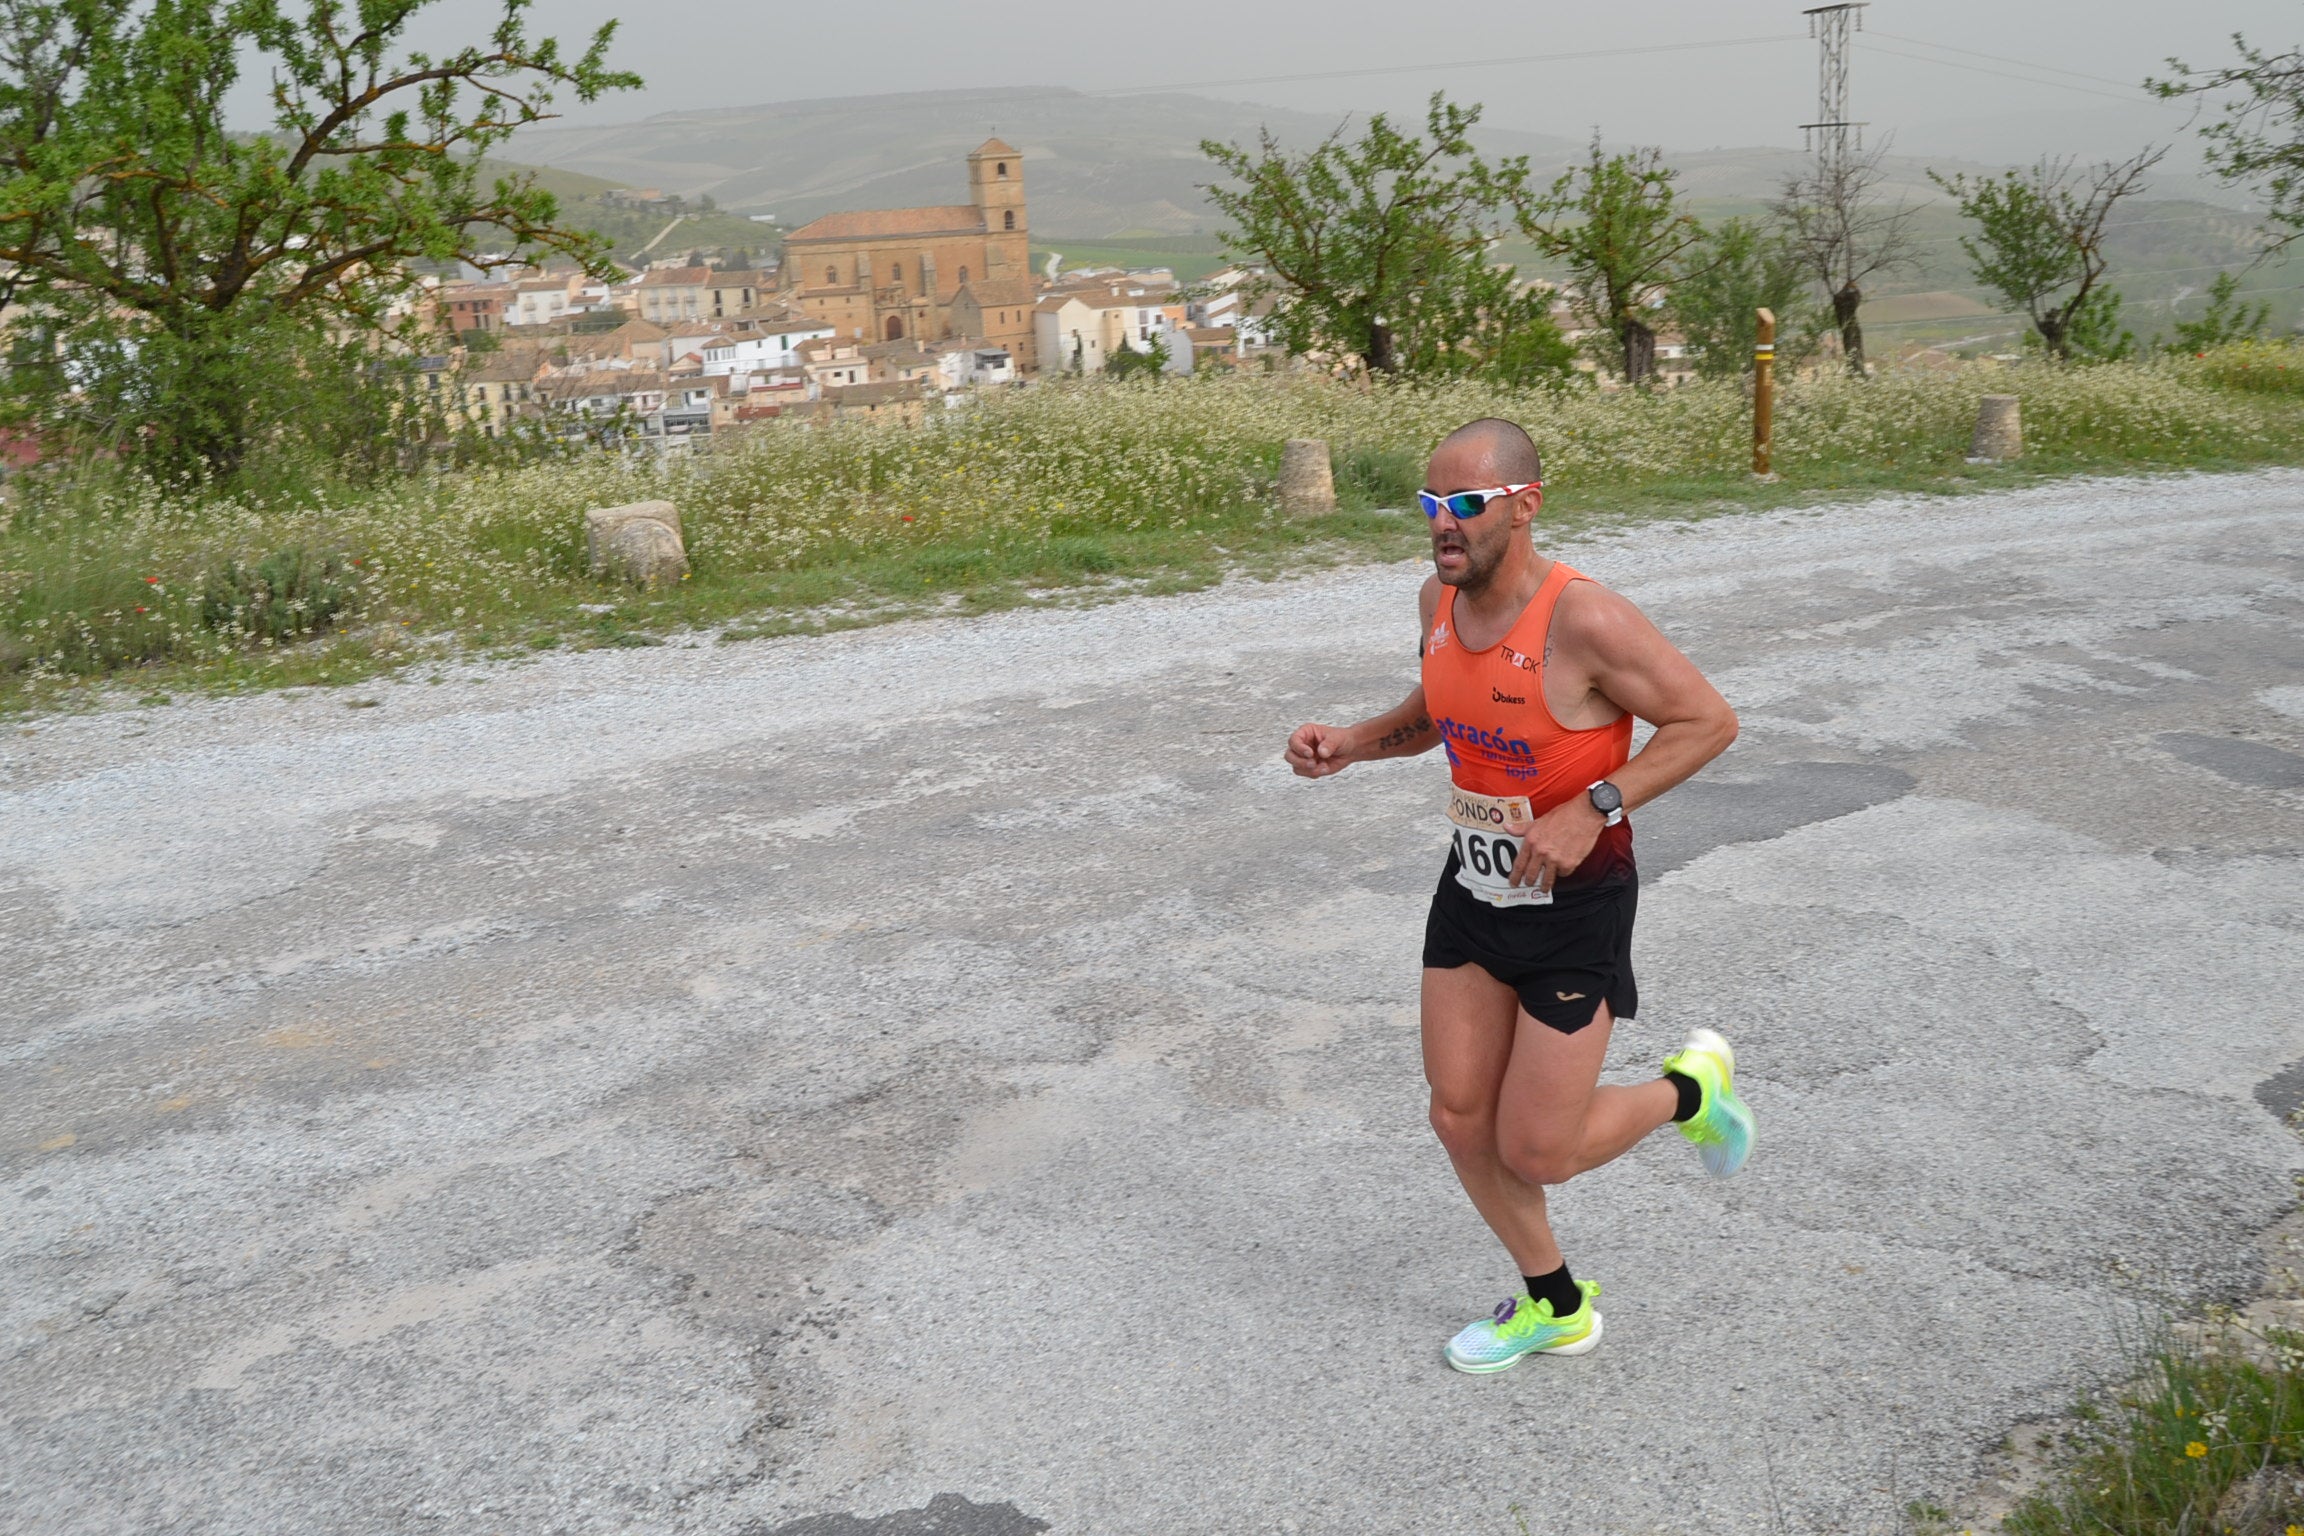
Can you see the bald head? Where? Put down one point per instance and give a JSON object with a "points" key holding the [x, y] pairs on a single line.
{"points": [[1508, 453]]}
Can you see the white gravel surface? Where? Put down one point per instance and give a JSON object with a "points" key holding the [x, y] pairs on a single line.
{"points": [[711, 1089]]}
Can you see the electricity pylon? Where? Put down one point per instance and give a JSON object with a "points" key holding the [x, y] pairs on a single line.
{"points": [[1828, 136]]}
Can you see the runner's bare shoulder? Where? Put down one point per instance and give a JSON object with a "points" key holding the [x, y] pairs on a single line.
{"points": [[1427, 604], [1591, 621]]}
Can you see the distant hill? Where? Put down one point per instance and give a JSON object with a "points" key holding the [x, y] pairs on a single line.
{"points": [[1100, 167], [1118, 178]]}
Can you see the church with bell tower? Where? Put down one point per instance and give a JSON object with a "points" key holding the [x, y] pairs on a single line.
{"points": [[925, 274]]}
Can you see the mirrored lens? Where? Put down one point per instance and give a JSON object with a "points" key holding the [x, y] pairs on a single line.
{"points": [[1461, 505]]}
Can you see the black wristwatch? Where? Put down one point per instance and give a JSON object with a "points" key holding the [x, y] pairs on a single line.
{"points": [[1608, 800]]}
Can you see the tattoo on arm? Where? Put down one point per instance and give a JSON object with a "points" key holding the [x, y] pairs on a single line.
{"points": [[1400, 736]]}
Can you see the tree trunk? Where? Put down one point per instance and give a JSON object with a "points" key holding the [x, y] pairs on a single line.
{"points": [[2051, 327], [1844, 306], [1380, 359], [1639, 349], [206, 429]]}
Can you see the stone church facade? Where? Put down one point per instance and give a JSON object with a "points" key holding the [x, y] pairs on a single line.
{"points": [[928, 274]]}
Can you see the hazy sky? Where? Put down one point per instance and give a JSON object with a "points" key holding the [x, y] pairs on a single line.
{"points": [[730, 55]]}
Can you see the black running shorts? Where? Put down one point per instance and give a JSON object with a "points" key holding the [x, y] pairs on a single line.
{"points": [[1564, 960]]}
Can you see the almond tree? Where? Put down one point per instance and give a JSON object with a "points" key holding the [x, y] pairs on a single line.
{"points": [[1382, 249], [1614, 224], [2039, 245], [1845, 236], [165, 264], [2260, 138]]}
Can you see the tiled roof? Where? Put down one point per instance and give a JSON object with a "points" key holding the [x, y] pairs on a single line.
{"points": [[678, 277], [886, 223], [995, 147], [1000, 292]]}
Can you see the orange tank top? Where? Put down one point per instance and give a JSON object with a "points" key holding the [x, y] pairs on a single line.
{"points": [[1499, 733]]}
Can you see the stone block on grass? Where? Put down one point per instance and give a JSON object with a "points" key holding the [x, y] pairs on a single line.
{"points": [[638, 543]]}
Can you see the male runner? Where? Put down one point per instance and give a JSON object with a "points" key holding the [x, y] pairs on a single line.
{"points": [[1532, 673]]}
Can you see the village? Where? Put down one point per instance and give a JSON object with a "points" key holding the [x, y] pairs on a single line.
{"points": [[876, 313]]}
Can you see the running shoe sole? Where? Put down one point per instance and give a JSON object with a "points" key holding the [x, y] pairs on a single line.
{"points": [[1582, 1346]]}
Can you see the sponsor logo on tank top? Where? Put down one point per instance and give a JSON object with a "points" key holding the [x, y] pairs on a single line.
{"points": [[1439, 636], [1501, 697], [1510, 753], [1520, 659]]}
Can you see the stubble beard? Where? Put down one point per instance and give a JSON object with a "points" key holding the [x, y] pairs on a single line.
{"points": [[1479, 567]]}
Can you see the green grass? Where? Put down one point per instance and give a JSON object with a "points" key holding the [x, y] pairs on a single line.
{"points": [[2186, 1447], [1062, 494], [1192, 257]]}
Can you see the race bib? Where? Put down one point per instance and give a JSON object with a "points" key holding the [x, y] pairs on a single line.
{"points": [[1485, 852]]}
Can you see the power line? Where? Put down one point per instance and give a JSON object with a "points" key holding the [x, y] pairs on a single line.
{"points": [[1999, 58], [1395, 69], [2135, 98]]}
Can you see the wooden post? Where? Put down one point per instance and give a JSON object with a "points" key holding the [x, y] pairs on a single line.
{"points": [[1763, 392]]}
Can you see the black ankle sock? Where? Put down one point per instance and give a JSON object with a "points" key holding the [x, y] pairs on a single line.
{"points": [[1558, 1288], [1691, 1095]]}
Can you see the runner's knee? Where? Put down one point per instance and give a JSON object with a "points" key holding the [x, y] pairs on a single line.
{"points": [[1465, 1132], [1538, 1157]]}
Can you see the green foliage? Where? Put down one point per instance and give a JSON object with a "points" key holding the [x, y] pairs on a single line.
{"points": [[2095, 333], [2039, 245], [2260, 138], [1614, 222], [2169, 1455], [1129, 363], [2226, 319], [1382, 249], [2255, 367], [286, 595], [140, 235], [1741, 268]]}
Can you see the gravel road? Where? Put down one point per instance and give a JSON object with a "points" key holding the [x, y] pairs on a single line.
{"points": [[951, 1078]]}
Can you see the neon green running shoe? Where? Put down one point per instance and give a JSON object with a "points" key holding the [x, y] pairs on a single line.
{"points": [[1722, 1128], [1522, 1327]]}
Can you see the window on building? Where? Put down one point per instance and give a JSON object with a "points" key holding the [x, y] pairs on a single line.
{"points": [[963, 277], [831, 277], [896, 272], [1003, 170], [1008, 219]]}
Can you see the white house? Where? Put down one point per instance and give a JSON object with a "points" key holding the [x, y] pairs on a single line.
{"points": [[1069, 334], [771, 348], [962, 364], [541, 300]]}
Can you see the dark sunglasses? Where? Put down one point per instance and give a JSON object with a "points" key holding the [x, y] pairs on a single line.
{"points": [[1463, 504]]}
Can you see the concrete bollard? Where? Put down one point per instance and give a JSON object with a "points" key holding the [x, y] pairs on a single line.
{"points": [[1999, 431], [1307, 481], [638, 543]]}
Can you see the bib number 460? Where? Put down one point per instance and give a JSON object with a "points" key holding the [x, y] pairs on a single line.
{"points": [[1490, 857]]}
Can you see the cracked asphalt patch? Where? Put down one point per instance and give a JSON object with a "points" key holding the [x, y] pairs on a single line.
{"points": [[950, 1077]]}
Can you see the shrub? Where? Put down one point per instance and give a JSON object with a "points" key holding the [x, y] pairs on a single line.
{"points": [[288, 594]]}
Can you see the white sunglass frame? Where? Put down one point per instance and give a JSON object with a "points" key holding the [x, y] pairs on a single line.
{"points": [[1432, 506]]}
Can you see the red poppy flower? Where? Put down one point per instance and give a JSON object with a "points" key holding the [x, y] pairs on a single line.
{"points": [[151, 581], [141, 609], [907, 517]]}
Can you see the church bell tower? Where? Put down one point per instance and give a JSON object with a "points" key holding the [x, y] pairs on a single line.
{"points": [[996, 182]]}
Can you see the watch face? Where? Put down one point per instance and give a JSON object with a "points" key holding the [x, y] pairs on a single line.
{"points": [[1606, 798]]}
